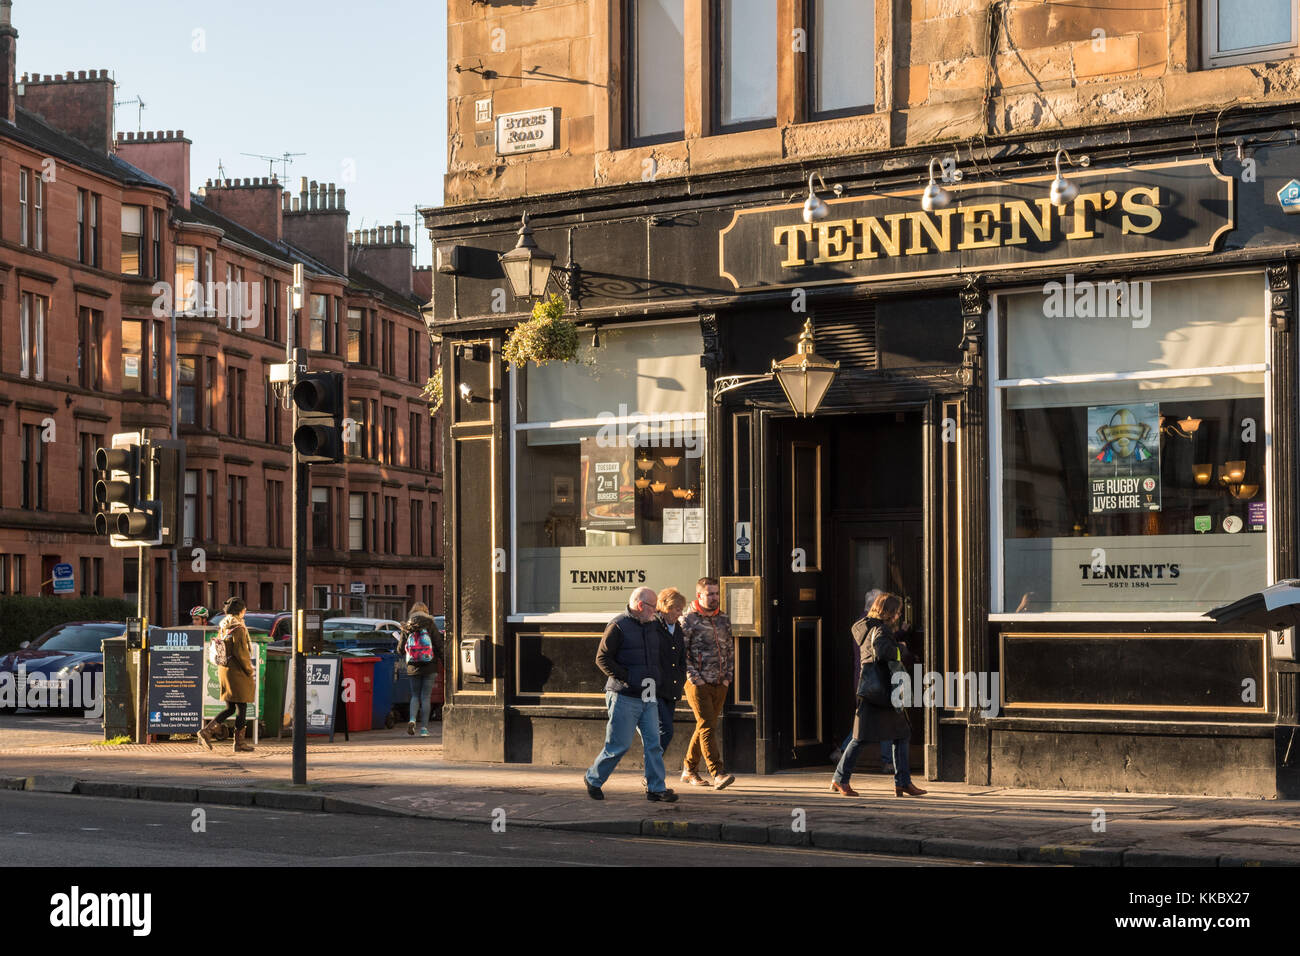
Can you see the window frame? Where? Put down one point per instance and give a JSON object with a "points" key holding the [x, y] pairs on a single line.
{"points": [[996, 408], [139, 238], [715, 44], [811, 66], [630, 87], [1210, 59]]}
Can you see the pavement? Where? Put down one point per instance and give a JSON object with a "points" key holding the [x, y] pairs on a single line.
{"points": [[388, 773]]}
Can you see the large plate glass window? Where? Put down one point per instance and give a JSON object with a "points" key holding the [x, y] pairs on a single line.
{"points": [[609, 472], [1144, 488]]}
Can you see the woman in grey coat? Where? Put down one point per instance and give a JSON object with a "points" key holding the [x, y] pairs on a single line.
{"points": [[874, 635]]}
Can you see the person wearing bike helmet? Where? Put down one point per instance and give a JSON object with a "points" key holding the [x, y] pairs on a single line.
{"points": [[199, 616]]}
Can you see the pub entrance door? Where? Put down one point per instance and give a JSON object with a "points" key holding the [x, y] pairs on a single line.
{"points": [[848, 520]]}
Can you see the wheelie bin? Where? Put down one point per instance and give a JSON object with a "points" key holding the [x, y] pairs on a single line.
{"points": [[361, 671], [385, 688], [277, 673]]}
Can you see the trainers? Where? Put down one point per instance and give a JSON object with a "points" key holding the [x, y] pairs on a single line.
{"points": [[410, 728], [424, 731], [664, 796], [721, 783], [594, 792], [694, 779]]}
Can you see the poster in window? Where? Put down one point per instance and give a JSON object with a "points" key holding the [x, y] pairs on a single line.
{"points": [[673, 525], [1124, 457], [608, 495]]}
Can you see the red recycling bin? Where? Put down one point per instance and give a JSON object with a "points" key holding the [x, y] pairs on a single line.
{"points": [[361, 670]]}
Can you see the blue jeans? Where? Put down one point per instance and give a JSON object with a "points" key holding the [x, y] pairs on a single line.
{"points": [[626, 714], [421, 691], [666, 708], [886, 748]]}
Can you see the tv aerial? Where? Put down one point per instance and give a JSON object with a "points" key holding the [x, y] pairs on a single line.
{"points": [[284, 158], [139, 113]]}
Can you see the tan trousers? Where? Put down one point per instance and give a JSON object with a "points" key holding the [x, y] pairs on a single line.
{"points": [[706, 702]]}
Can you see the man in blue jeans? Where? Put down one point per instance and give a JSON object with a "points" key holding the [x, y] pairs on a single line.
{"points": [[629, 657]]}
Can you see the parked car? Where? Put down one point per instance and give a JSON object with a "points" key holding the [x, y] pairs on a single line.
{"points": [[255, 621], [61, 655], [362, 624]]}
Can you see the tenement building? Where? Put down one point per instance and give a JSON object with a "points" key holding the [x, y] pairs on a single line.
{"points": [[988, 305], [102, 247]]}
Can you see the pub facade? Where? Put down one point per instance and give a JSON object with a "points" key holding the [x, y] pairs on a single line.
{"points": [[1042, 384]]}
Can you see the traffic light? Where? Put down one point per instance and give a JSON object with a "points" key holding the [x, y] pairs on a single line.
{"points": [[117, 492], [318, 400], [138, 491]]}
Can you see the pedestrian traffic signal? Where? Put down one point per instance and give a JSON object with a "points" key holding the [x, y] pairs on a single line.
{"points": [[318, 416]]}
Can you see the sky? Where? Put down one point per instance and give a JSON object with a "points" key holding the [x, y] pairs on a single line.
{"points": [[359, 88]]}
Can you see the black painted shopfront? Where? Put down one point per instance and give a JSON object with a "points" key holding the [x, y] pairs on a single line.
{"points": [[1061, 433]]}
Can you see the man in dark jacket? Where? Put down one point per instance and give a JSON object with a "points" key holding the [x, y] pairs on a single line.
{"points": [[630, 657], [672, 647]]}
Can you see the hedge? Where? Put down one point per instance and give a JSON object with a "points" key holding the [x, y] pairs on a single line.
{"points": [[24, 618]]}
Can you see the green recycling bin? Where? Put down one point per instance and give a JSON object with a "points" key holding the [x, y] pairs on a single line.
{"points": [[277, 676]]}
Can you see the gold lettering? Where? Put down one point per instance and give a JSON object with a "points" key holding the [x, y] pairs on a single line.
{"points": [[841, 241], [941, 237], [1080, 216], [890, 242], [790, 236], [1020, 214], [980, 218], [1152, 214]]}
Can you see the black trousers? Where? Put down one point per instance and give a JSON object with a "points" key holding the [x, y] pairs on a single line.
{"points": [[239, 709]]}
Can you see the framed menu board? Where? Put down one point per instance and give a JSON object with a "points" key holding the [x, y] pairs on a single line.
{"points": [[742, 602]]}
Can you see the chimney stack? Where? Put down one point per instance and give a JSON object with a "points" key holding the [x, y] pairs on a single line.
{"points": [[255, 204], [316, 221], [80, 108], [384, 253], [9, 53], [165, 156]]}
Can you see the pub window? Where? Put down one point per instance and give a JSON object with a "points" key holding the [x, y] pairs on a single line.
{"points": [[656, 70], [608, 473], [1248, 31], [1143, 490], [841, 69], [745, 54], [132, 239], [90, 343], [316, 330]]}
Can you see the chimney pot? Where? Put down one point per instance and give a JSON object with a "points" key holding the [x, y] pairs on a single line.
{"points": [[295, 203], [406, 235], [342, 205], [81, 75]]}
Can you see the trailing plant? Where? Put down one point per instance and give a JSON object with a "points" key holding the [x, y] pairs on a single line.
{"points": [[432, 391], [547, 337]]}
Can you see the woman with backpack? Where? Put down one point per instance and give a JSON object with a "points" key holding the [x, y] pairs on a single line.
{"points": [[421, 643], [878, 718], [235, 672]]}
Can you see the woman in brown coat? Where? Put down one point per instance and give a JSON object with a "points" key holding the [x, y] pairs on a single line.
{"points": [[237, 688]]}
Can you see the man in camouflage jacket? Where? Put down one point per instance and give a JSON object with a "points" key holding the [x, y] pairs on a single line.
{"points": [[710, 669]]}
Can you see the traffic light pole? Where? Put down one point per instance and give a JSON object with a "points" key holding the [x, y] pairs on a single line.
{"points": [[301, 484]]}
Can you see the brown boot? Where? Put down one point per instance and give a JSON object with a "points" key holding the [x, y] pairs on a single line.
{"points": [[205, 735], [241, 745]]}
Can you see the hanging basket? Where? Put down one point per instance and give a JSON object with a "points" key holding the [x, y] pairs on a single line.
{"points": [[547, 337]]}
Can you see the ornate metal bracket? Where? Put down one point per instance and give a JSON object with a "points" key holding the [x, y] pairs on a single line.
{"points": [[569, 279], [711, 357], [974, 306], [729, 383], [1281, 302]]}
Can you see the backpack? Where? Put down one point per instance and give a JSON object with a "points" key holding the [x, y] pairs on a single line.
{"points": [[419, 647], [219, 650]]}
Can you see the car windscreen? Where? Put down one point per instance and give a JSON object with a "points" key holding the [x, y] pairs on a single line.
{"points": [[79, 637]]}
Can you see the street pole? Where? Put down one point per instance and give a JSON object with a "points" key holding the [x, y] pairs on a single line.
{"points": [[301, 482], [144, 581], [176, 571]]}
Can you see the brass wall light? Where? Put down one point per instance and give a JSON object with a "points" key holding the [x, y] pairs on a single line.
{"points": [[658, 486], [1202, 473], [527, 267], [1233, 477], [805, 377], [672, 461]]}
